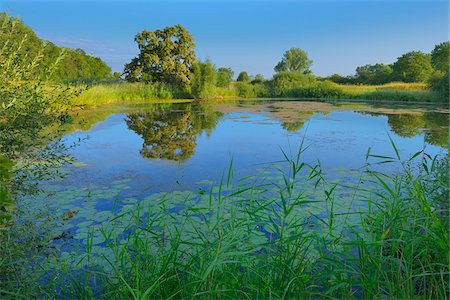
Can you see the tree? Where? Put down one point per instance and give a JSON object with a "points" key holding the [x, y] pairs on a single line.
{"points": [[204, 78], [373, 74], [224, 76], [440, 57], [243, 76], [165, 56], [259, 78], [294, 59], [414, 66]]}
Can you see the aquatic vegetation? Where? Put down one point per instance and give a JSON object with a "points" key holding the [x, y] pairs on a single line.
{"points": [[293, 231]]}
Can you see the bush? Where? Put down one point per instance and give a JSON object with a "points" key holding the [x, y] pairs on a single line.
{"points": [[283, 83], [321, 89], [203, 82], [440, 85], [245, 89]]}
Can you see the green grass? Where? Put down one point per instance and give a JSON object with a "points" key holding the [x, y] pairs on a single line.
{"points": [[137, 92], [125, 92], [394, 91], [261, 239]]}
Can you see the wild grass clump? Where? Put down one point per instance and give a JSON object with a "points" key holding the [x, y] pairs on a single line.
{"points": [[127, 92], [278, 239], [318, 90], [399, 95]]}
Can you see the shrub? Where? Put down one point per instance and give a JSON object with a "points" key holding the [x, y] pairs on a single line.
{"points": [[440, 85], [203, 82], [321, 89], [245, 89], [283, 83]]}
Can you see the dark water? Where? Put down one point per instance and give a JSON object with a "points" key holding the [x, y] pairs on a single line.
{"points": [[129, 153]]}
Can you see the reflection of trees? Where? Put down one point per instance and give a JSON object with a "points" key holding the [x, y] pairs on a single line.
{"points": [[293, 126], [295, 122], [171, 132], [406, 125], [437, 124], [433, 124]]}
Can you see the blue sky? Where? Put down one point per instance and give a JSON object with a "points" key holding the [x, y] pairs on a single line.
{"points": [[247, 35]]}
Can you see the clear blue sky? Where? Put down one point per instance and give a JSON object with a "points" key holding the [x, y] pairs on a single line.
{"points": [[247, 35]]}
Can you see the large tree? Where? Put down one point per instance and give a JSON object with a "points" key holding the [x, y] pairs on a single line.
{"points": [[414, 66], [294, 59], [165, 56], [440, 57]]}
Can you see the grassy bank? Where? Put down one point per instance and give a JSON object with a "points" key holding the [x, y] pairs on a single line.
{"points": [[294, 234], [138, 92]]}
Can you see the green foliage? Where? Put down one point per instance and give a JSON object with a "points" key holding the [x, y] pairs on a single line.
{"points": [[440, 57], [243, 77], [374, 74], [440, 85], [128, 92], [165, 56], [259, 78], [284, 82], [317, 90], [245, 89], [298, 237], [224, 77], [204, 79], [75, 65], [336, 78], [388, 94], [294, 60], [414, 66], [29, 152]]}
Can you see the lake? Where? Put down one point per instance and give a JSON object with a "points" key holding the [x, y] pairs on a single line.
{"points": [[127, 154]]}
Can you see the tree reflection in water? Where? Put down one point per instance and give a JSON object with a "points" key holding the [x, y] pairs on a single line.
{"points": [[171, 132]]}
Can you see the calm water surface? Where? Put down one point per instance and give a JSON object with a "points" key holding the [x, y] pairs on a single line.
{"points": [[129, 153]]}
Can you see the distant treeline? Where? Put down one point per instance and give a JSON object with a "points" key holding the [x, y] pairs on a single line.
{"points": [[167, 57], [54, 63], [414, 66]]}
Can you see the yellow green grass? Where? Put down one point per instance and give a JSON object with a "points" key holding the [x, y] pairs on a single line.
{"points": [[139, 92], [355, 90]]}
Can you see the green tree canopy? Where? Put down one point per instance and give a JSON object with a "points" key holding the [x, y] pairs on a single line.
{"points": [[224, 76], [414, 66], [294, 59], [374, 74], [165, 56], [440, 57], [243, 76]]}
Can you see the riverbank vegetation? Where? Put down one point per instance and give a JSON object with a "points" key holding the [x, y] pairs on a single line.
{"points": [[293, 233]]}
